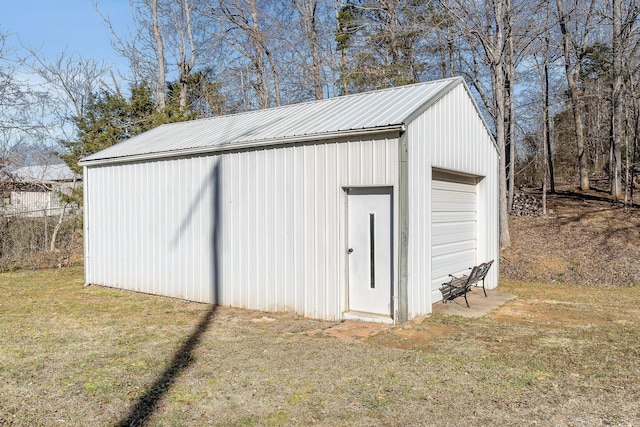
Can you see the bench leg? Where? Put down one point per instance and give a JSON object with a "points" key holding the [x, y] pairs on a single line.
{"points": [[465, 300], [483, 288]]}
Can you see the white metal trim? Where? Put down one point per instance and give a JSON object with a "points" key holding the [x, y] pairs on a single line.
{"points": [[85, 222], [244, 146]]}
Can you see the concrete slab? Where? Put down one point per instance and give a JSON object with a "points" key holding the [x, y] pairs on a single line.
{"points": [[361, 329], [479, 304]]}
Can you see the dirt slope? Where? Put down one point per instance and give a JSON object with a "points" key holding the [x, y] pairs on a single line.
{"points": [[583, 239]]}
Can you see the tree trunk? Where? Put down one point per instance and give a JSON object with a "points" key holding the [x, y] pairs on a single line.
{"points": [[510, 125], [499, 98], [260, 47], [617, 122], [442, 51], [483, 24], [258, 60], [185, 66], [547, 126], [498, 88], [635, 149], [343, 86], [544, 172], [56, 229], [276, 76], [310, 18], [572, 73], [161, 82]]}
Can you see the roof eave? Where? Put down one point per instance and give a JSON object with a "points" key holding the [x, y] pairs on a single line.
{"points": [[235, 146]]}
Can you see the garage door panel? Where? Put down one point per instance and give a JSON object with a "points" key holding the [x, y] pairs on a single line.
{"points": [[456, 265], [443, 217], [446, 184], [453, 263], [449, 201], [456, 189], [454, 206], [453, 229], [438, 251], [453, 196], [444, 233]]}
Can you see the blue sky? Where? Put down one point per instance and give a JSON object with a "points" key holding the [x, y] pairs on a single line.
{"points": [[55, 25]]}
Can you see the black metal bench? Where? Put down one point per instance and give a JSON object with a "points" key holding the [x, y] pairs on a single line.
{"points": [[459, 286]]}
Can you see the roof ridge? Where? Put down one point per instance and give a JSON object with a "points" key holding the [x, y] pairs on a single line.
{"points": [[318, 101], [348, 114]]}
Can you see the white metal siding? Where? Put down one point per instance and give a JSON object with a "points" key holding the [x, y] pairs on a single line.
{"points": [[37, 203], [268, 223], [450, 135], [33, 203]]}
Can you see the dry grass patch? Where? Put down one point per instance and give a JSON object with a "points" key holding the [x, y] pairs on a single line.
{"points": [[74, 355], [584, 239]]}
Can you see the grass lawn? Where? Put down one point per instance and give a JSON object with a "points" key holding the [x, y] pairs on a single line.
{"points": [[73, 355]]}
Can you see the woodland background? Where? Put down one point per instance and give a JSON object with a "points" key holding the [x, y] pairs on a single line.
{"points": [[558, 82]]}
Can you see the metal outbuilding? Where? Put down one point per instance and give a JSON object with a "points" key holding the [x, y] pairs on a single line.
{"points": [[34, 191], [357, 206]]}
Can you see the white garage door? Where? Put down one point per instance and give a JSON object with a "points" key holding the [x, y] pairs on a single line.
{"points": [[453, 227]]}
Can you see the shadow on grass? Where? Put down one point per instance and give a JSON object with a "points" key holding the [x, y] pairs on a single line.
{"points": [[183, 357], [147, 403]]}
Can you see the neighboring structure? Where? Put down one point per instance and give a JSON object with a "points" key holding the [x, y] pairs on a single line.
{"points": [[356, 206], [33, 191]]}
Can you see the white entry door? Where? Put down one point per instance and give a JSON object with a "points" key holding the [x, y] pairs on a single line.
{"points": [[370, 251]]}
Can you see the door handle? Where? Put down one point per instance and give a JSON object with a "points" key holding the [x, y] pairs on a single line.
{"points": [[349, 250]]}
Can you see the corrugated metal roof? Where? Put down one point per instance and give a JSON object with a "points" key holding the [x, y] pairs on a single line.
{"points": [[317, 119], [43, 173]]}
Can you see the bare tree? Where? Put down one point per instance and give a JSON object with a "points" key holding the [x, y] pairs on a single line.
{"points": [[308, 11], [301, 39], [485, 25], [624, 41], [631, 71], [71, 80], [37, 100], [241, 22], [145, 47], [632, 166], [616, 98], [166, 35], [445, 34], [509, 93], [381, 43], [542, 57], [23, 106], [574, 44], [161, 79], [181, 15]]}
